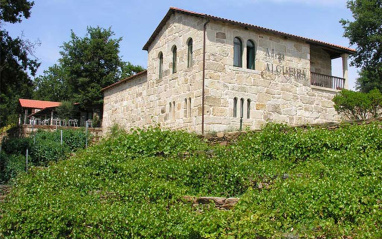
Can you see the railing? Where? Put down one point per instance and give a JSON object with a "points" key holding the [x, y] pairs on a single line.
{"points": [[326, 81]]}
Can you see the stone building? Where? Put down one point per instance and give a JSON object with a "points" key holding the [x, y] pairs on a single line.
{"points": [[206, 73]]}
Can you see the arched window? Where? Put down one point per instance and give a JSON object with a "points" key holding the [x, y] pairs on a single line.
{"points": [[185, 108], [160, 56], [174, 59], [237, 52], [173, 110], [235, 107], [248, 108], [169, 110], [241, 108], [251, 55], [189, 107], [189, 52]]}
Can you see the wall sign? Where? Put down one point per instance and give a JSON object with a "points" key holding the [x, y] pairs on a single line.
{"points": [[280, 68]]}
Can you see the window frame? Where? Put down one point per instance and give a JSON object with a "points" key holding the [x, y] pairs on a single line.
{"points": [[242, 108], [174, 59], [251, 53], [190, 52], [160, 68], [237, 52], [235, 100], [248, 108]]}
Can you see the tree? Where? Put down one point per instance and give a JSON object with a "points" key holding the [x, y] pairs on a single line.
{"points": [[53, 85], [366, 32], [14, 11], [129, 69], [86, 66], [66, 110], [92, 63], [16, 61]]}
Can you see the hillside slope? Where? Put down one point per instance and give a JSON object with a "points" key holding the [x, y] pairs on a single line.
{"points": [[291, 183]]}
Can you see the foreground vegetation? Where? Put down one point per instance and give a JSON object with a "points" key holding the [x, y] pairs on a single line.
{"points": [[43, 148], [312, 183]]}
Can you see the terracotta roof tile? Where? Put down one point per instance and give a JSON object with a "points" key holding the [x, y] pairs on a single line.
{"points": [[38, 104], [245, 25]]}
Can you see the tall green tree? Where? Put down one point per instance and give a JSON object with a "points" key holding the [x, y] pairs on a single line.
{"points": [[16, 61], [87, 65], [366, 33], [53, 85], [129, 69], [92, 62]]}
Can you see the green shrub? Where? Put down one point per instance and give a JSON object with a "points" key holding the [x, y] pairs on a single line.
{"points": [[3, 163], [16, 145], [308, 183], [358, 105], [12, 166], [43, 147]]}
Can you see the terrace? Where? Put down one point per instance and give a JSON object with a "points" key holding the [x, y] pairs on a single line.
{"points": [[327, 81], [321, 67]]}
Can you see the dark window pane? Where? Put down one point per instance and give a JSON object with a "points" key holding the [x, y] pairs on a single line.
{"points": [[160, 65], [235, 107], [237, 52], [241, 108], [251, 55], [174, 58], [189, 57]]}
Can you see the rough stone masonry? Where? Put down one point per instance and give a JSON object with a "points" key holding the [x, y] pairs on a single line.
{"points": [[278, 89]]}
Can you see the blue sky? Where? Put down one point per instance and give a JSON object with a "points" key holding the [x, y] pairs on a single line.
{"points": [[134, 20]]}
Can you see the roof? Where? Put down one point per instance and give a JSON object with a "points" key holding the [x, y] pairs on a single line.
{"points": [[124, 80], [38, 104], [335, 48]]}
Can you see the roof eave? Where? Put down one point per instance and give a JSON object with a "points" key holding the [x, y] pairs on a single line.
{"points": [[245, 25], [158, 29], [123, 80]]}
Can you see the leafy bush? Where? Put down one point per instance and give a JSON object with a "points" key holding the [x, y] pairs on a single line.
{"points": [[43, 147], [13, 165], [16, 145], [6, 128], [358, 105], [309, 183]]}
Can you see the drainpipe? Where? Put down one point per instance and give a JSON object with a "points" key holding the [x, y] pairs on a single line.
{"points": [[204, 70]]}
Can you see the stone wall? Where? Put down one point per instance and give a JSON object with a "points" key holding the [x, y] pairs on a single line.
{"points": [[148, 99], [320, 61], [126, 103], [277, 90], [27, 130]]}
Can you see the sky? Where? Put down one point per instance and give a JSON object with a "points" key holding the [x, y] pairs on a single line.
{"points": [[51, 22]]}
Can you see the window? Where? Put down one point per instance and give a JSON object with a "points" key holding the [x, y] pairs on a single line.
{"points": [[185, 108], [189, 53], [248, 108], [251, 55], [160, 56], [174, 58], [173, 110], [235, 107], [237, 52], [169, 110], [241, 108]]}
